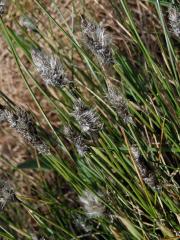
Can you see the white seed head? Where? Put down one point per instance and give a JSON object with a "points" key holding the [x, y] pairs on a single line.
{"points": [[177, 233], [70, 133], [50, 69], [3, 7], [78, 141], [41, 147], [135, 152], [119, 103], [22, 121], [92, 205], [103, 37], [151, 181], [2, 113], [83, 223], [174, 20], [81, 147], [88, 27], [88, 120], [28, 23], [97, 40], [146, 171], [7, 193]]}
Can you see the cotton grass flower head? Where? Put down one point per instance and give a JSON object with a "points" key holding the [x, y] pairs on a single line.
{"points": [[83, 223], [22, 121], [87, 118], [174, 20], [3, 7], [2, 113], [80, 145], [91, 204], [50, 68], [7, 194], [70, 133], [146, 171], [75, 138], [97, 40], [119, 103], [28, 23]]}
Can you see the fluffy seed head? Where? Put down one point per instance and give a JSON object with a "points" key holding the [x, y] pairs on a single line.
{"points": [[2, 113], [28, 23], [50, 69], [146, 171], [77, 140], [3, 7], [7, 194], [81, 147], [88, 27], [174, 20], [119, 103], [88, 120], [92, 204], [70, 133], [41, 147], [23, 123], [83, 223], [97, 40], [135, 152]]}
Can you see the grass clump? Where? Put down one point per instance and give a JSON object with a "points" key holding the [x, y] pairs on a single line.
{"points": [[107, 166]]}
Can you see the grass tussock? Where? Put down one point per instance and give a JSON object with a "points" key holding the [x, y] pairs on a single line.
{"points": [[101, 141]]}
